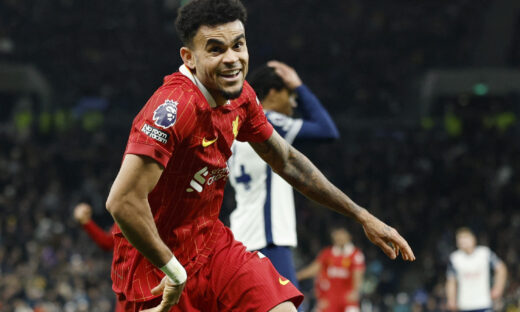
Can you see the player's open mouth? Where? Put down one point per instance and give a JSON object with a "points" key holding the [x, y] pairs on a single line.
{"points": [[230, 75]]}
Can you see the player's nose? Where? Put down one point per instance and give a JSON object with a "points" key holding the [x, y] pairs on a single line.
{"points": [[230, 57]]}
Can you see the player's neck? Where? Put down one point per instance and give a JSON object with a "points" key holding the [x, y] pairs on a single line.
{"points": [[344, 247], [219, 99], [469, 251]]}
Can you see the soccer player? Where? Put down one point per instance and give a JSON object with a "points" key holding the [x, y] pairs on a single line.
{"points": [[469, 275], [167, 195], [264, 218], [83, 215], [105, 240], [339, 270]]}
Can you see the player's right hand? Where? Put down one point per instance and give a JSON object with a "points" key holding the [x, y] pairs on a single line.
{"points": [[287, 73], [387, 238], [171, 295]]}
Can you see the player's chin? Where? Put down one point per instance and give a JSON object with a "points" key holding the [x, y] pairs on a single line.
{"points": [[231, 93]]}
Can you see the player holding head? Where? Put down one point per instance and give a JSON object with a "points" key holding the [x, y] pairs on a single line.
{"points": [[265, 217], [468, 278], [339, 273], [167, 195], [277, 86]]}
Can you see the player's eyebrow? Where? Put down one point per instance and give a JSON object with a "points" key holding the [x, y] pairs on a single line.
{"points": [[220, 42], [241, 36]]}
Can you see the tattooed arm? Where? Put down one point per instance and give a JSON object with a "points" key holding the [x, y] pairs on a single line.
{"points": [[298, 171]]}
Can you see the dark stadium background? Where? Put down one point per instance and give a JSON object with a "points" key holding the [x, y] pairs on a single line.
{"points": [[425, 94]]}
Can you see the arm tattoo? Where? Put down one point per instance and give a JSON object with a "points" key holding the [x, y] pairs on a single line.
{"points": [[299, 171]]}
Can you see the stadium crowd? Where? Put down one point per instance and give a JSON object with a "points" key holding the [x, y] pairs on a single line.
{"points": [[426, 180], [45, 258]]}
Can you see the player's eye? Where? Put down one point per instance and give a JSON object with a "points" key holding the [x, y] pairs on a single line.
{"points": [[238, 45], [215, 49]]}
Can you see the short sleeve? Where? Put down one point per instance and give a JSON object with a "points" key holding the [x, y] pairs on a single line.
{"points": [[165, 120], [255, 128], [358, 260], [494, 259], [450, 271], [286, 126]]}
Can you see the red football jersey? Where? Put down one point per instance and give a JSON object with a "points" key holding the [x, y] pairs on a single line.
{"points": [[334, 282], [192, 141]]}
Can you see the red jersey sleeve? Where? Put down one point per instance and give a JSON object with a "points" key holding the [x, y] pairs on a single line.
{"points": [[103, 239], [165, 120], [358, 260], [255, 128]]}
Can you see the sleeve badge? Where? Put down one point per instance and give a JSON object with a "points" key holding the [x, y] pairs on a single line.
{"points": [[165, 115]]}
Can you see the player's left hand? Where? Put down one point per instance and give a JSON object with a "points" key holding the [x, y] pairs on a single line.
{"points": [[171, 295], [387, 238]]}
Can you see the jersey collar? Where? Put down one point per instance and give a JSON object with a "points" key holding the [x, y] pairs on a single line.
{"points": [[346, 250], [187, 72]]}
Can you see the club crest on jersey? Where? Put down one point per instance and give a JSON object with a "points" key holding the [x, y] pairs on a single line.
{"points": [[165, 115]]}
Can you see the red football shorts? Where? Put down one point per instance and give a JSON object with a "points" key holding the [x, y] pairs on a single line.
{"points": [[233, 279]]}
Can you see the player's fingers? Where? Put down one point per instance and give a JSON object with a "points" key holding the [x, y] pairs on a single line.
{"points": [[275, 63], [406, 250], [159, 288], [387, 249], [396, 250], [280, 68], [279, 72]]}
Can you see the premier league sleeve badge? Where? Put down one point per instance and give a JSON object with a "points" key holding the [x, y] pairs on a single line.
{"points": [[165, 115]]}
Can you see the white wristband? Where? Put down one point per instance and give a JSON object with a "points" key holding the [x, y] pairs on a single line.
{"points": [[175, 271]]}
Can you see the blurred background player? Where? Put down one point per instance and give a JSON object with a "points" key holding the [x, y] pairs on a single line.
{"points": [[339, 273], [468, 285], [102, 238], [260, 193], [83, 215]]}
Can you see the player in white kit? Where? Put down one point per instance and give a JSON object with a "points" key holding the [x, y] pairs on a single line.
{"points": [[264, 218], [468, 285]]}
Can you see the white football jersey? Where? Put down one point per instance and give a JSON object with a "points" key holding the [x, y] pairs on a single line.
{"points": [[473, 275], [265, 202]]}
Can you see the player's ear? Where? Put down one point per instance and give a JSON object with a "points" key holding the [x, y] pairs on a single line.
{"points": [[188, 57]]}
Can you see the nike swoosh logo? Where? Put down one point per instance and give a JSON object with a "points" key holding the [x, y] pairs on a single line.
{"points": [[282, 282], [206, 143]]}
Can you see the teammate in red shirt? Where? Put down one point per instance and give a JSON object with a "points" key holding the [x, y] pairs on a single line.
{"points": [[102, 238], [167, 195], [83, 214], [339, 273]]}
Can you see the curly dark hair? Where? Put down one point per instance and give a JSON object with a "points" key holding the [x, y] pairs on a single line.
{"points": [[207, 12], [264, 79]]}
